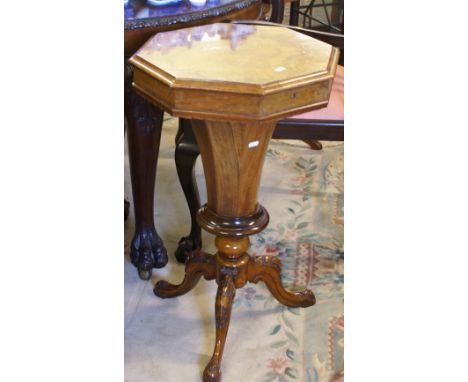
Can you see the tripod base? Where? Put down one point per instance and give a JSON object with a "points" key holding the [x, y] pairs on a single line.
{"points": [[231, 274]]}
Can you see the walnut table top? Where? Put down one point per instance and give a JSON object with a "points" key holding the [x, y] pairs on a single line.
{"points": [[261, 72]]}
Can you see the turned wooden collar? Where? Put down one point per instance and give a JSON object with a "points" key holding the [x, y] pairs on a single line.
{"points": [[233, 226]]}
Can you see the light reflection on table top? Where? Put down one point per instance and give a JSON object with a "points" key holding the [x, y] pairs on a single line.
{"points": [[236, 53]]}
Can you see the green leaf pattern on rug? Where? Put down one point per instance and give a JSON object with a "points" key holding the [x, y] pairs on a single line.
{"points": [[304, 346]]}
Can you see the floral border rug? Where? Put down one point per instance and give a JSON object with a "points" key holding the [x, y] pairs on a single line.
{"points": [[172, 340]]}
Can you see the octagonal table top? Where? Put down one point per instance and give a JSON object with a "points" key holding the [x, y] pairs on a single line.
{"points": [[236, 60]]}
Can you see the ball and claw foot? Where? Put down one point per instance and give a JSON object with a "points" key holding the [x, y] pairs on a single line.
{"points": [[147, 252], [186, 245]]}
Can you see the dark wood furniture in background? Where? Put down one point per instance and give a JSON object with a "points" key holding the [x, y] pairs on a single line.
{"points": [[205, 74], [144, 120], [333, 11], [325, 124]]}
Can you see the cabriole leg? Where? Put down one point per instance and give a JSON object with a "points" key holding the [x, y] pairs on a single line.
{"points": [[223, 307], [144, 122]]}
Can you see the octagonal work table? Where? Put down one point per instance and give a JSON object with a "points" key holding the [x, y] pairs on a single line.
{"points": [[234, 82]]}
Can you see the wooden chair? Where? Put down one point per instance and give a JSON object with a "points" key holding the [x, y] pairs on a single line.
{"points": [[323, 124]]}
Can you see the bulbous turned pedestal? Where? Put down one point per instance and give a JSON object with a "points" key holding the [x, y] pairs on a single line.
{"points": [[212, 76]]}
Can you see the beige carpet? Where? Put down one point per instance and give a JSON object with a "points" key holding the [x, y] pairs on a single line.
{"points": [[172, 340]]}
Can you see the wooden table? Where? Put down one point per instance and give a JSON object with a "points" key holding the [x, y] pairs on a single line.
{"points": [[144, 120], [234, 82]]}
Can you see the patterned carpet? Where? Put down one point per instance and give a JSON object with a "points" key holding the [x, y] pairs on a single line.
{"points": [[172, 340]]}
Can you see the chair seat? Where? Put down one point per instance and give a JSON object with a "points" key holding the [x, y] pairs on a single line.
{"points": [[335, 108]]}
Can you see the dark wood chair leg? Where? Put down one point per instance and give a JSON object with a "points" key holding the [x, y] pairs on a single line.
{"points": [[294, 13], [186, 154], [268, 270], [144, 134], [223, 307], [313, 144], [126, 209], [198, 264]]}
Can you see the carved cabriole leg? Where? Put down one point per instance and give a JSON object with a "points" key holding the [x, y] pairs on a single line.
{"points": [[231, 273], [268, 270], [144, 134], [186, 154], [223, 307], [198, 264]]}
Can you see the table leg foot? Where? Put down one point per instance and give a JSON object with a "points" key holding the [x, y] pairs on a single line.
{"points": [[314, 144], [268, 270], [198, 265], [186, 245], [223, 307], [147, 252]]}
